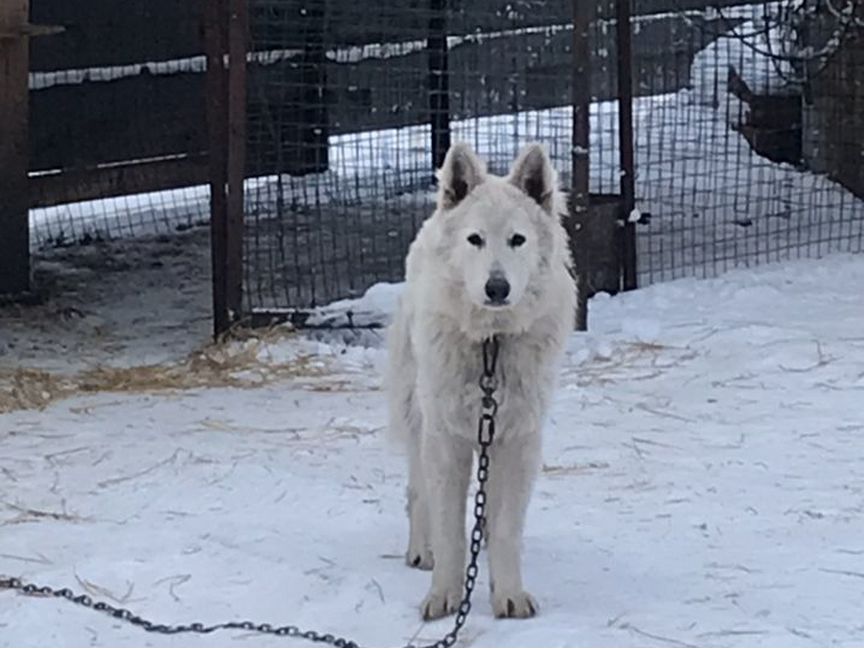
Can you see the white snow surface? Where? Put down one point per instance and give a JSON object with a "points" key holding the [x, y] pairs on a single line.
{"points": [[703, 484]]}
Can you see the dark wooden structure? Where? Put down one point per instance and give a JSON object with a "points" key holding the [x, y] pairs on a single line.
{"points": [[14, 239], [772, 125], [833, 117]]}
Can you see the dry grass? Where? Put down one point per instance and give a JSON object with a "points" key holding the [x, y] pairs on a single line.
{"points": [[233, 363], [556, 470], [28, 389], [236, 362], [28, 515], [629, 362]]}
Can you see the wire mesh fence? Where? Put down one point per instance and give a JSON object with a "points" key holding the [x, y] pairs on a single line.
{"points": [[736, 163], [758, 157], [351, 110], [749, 124]]}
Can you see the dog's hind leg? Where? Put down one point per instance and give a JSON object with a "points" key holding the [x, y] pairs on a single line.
{"points": [[514, 465], [405, 425], [419, 553]]}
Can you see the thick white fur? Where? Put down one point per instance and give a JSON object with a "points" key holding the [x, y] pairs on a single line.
{"points": [[435, 362]]}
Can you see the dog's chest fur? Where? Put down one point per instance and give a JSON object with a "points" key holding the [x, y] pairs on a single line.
{"points": [[524, 384]]}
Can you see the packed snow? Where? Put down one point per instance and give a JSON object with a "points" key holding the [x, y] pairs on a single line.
{"points": [[703, 484]]}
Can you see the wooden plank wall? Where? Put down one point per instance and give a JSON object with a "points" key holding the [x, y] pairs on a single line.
{"points": [[86, 132]]}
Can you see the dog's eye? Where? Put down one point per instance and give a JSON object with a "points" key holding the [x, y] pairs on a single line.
{"points": [[475, 240], [516, 240]]}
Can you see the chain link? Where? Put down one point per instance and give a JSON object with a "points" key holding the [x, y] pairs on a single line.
{"points": [[485, 436]]}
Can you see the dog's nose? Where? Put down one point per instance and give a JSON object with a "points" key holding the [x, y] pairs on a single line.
{"points": [[497, 289]]}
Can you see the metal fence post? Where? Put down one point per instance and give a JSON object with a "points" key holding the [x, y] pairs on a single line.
{"points": [[225, 26], [439, 81], [14, 188], [238, 40], [579, 189], [214, 17], [625, 141]]}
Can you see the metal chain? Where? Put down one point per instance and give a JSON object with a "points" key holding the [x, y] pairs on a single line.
{"points": [[485, 436], [30, 589]]}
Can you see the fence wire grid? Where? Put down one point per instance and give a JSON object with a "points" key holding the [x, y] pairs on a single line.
{"points": [[758, 157], [749, 127], [350, 110], [737, 156]]}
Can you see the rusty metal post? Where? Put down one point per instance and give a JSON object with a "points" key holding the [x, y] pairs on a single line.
{"points": [[625, 141], [14, 107], [238, 40], [215, 22], [439, 81], [583, 12]]}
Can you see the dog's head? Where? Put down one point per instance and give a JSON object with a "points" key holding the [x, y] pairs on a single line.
{"points": [[499, 232]]}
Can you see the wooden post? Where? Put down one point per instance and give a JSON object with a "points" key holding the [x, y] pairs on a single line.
{"points": [[579, 188], [14, 106]]}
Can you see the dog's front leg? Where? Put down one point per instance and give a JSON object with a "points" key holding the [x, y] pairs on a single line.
{"points": [[447, 469], [514, 465]]}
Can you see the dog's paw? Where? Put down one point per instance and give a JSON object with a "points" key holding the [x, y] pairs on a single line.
{"points": [[420, 558], [438, 604], [514, 605]]}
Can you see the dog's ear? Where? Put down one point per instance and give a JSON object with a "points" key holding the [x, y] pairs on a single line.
{"points": [[461, 172], [532, 172]]}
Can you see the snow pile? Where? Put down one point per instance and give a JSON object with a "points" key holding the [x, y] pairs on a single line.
{"points": [[372, 309]]}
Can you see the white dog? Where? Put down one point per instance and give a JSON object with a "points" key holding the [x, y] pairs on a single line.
{"points": [[492, 260]]}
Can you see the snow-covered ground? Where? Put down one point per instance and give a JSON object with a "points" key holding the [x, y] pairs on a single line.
{"points": [[703, 484]]}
